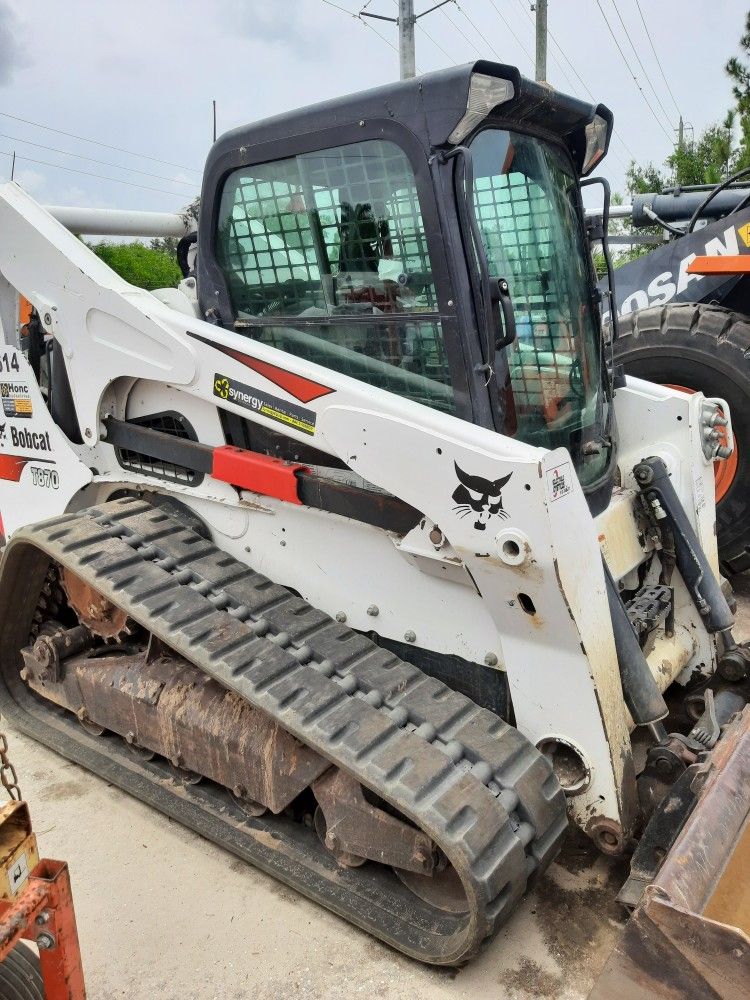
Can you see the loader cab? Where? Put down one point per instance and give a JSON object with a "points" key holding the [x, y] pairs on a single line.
{"points": [[426, 237]]}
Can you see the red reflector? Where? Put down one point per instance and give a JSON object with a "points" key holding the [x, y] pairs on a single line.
{"points": [[259, 473]]}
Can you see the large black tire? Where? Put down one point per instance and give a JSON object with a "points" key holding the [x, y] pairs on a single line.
{"points": [[708, 348], [20, 978]]}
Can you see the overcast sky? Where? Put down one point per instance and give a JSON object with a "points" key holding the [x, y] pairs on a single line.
{"points": [[141, 76]]}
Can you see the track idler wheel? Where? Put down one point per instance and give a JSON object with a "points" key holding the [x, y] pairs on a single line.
{"points": [[442, 889]]}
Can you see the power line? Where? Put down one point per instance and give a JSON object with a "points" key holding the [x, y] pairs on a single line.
{"points": [[635, 78], [563, 54], [375, 31], [507, 25], [342, 9], [640, 63], [482, 36], [358, 17], [86, 173], [459, 29], [437, 45], [89, 159], [582, 82], [658, 61], [427, 35], [96, 142]]}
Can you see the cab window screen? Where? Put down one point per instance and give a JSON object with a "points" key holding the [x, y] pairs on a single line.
{"points": [[525, 201], [336, 240]]}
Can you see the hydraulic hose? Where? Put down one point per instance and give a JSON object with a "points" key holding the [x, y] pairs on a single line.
{"points": [[642, 696], [653, 479]]}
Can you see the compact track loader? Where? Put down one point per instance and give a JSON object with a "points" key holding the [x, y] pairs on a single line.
{"points": [[350, 554]]}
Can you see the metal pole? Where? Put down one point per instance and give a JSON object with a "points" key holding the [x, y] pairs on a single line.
{"points": [[406, 54], [541, 40], [120, 222]]}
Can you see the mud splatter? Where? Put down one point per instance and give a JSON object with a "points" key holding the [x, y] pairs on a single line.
{"points": [[59, 791], [572, 923], [531, 980]]}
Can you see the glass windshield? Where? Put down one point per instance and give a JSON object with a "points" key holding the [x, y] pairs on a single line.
{"points": [[525, 198]]}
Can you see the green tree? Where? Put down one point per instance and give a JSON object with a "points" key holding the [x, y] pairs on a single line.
{"points": [[719, 151], [140, 265], [738, 71]]}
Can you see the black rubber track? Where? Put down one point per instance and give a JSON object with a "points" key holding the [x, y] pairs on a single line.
{"points": [[461, 774], [708, 348], [20, 978]]}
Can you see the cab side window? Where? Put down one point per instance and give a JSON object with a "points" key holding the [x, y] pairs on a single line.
{"points": [[325, 256]]}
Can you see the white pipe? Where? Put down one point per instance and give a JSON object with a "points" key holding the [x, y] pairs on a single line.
{"points": [[119, 222], [615, 212]]}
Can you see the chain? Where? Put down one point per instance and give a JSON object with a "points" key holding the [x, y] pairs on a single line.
{"points": [[8, 774]]}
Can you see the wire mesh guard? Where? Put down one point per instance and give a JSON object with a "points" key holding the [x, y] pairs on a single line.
{"points": [[170, 423], [336, 239], [516, 222]]}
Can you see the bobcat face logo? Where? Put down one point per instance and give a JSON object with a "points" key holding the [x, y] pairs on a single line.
{"points": [[482, 497]]}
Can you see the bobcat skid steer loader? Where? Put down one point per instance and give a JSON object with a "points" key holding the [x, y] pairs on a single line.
{"points": [[347, 554]]}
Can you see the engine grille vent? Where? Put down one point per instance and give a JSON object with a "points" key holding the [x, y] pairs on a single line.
{"points": [[172, 423]]}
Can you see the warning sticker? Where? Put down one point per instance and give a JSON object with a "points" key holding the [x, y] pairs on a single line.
{"points": [[18, 872], [16, 399], [559, 481], [290, 414]]}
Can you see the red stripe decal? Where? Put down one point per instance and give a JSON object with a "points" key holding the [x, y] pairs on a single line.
{"points": [[11, 467], [258, 473], [301, 388]]}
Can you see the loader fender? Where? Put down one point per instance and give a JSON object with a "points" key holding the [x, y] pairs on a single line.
{"points": [[39, 470]]}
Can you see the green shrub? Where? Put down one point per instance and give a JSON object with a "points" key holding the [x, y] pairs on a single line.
{"points": [[139, 264]]}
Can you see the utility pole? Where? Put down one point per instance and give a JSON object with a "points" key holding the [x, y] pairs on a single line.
{"points": [[406, 22], [406, 53], [680, 133], [541, 40]]}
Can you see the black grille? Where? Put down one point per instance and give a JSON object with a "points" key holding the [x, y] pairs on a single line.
{"points": [[171, 423]]}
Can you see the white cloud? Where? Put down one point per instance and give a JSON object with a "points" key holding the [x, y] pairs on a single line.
{"points": [[278, 24], [30, 180], [13, 55]]}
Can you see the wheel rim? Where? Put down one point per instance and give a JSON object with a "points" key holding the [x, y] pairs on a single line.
{"points": [[725, 469]]}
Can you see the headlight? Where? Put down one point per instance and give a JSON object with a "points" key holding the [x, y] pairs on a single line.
{"points": [[485, 93], [596, 143]]}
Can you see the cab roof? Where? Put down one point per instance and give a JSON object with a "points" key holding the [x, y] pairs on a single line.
{"points": [[430, 106]]}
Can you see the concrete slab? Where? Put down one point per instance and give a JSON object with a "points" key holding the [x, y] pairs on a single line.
{"points": [[163, 913]]}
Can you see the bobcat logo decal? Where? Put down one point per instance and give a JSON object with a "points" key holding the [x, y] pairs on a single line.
{"points": [[482, 497]]}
